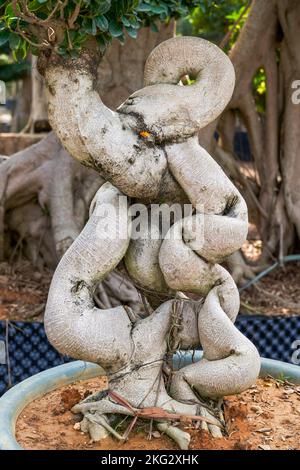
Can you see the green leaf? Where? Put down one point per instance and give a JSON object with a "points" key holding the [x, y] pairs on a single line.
{"points": [[4, 36], [9, 12], [103, 6], [14, 41], [132, 32], [115, 29], [102, 43], [159, 9], [121, 38], [144, 7], [89, 26], [34, 5], [135, 22], [102, 23], [125, 21]]}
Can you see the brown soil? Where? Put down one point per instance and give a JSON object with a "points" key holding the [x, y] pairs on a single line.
{"points": [[277, 293], [23, 291], [267, 416]]}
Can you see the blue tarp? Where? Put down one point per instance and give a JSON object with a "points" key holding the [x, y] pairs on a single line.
{"points": [[30, 351]]}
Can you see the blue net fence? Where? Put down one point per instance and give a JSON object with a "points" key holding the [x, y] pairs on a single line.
{"points": [[26, 350]]}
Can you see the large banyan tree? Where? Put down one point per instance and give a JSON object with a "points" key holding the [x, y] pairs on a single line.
{"points": [[148, 153]]}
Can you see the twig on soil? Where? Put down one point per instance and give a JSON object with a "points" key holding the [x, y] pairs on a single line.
{"points": [[36, 311], [250, 308], [160, 413], [290, 305]]}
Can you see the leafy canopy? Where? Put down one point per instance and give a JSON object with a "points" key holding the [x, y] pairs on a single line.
{"points": [[67, 25], [211, 19]]}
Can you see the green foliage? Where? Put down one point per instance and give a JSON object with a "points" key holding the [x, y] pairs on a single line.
{"points": [[75, 21], [259, 85], [213, 19], [12, 71]]}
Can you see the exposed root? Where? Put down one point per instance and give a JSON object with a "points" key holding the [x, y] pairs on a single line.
{"points": [[214, 430], [99, 428], [96, 422], [180, 437], [94, 427]]}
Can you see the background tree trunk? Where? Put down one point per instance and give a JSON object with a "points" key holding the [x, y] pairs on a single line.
{"points": [[121, 71], [269, 40], [23, 104], [38, 120]]}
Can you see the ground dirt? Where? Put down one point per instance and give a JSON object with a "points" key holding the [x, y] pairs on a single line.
{"points": [[267, 416], [23, 291], [276, 294]]}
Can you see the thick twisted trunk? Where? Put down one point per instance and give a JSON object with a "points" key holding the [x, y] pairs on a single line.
{"points": [[169, 166], [133, 352]]}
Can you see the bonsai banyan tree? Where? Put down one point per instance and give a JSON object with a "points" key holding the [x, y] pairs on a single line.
{"points": [[147, 151]]}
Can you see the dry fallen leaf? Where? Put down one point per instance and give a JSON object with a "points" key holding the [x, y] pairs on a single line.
{"points": [[262, 430], [256, 408]]}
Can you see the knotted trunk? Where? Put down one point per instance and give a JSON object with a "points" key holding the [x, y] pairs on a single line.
{"points": [[148, 151]]}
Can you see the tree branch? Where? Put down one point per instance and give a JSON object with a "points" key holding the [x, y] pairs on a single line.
{"points": [[229, 33]]}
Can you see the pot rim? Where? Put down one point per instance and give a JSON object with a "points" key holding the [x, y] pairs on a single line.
{"points": [[14, 401]]}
